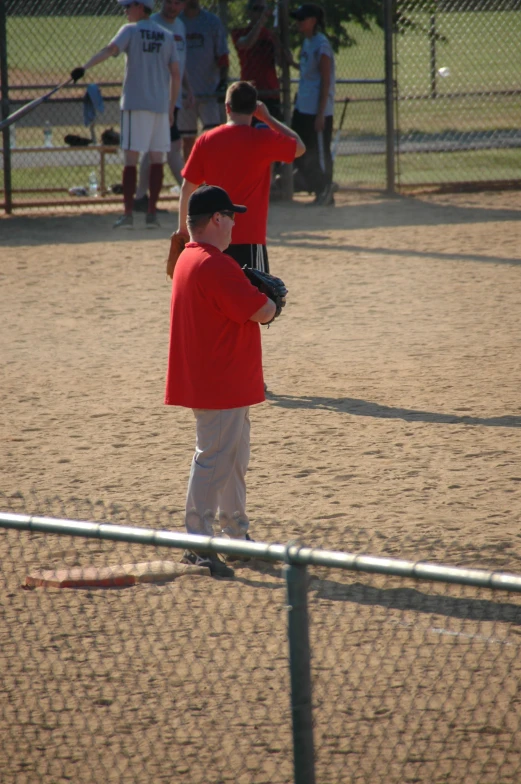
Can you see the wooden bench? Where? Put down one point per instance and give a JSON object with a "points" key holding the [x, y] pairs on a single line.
{"points": [[93, 155]]}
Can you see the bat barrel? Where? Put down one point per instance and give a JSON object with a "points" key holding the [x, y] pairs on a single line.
{"points": [[31, 106]]}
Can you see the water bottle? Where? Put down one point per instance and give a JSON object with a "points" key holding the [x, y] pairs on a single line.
{"points": [[47, 135], [93, 184]]}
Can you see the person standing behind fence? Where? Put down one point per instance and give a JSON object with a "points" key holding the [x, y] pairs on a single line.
{"points": [[207, 64], [168, 18], [238, 158], [150, 90], [215, 368], [259, 53], [313, 113]]}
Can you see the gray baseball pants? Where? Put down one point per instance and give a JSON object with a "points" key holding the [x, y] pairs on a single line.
{"points": [[217, 475]]}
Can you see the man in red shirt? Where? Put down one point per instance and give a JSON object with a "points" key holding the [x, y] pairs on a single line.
{"points": [[215, 368], [238, 158], [259, 53]]}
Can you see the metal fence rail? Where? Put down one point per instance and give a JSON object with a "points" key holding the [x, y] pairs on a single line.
{"points": [[408, 670]]}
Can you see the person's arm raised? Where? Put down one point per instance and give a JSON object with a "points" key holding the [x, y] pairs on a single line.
{"points": [[262, 113], [248, 40]]}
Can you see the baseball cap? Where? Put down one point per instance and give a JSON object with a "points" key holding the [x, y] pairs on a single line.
{"points": [[209, 199], [147, 3], [307, 10]]}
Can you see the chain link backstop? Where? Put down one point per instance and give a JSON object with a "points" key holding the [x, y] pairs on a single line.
{"points": [[452, 88]]}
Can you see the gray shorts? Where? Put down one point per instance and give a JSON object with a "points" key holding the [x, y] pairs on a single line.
{"points": [[208, 111]]}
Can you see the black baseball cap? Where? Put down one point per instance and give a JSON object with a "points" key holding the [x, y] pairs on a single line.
{"points": [[307, 10], [209, 199]]}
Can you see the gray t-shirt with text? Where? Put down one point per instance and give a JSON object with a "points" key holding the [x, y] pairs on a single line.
{"points": [[177, 29], [150, 50], [205, 44]]}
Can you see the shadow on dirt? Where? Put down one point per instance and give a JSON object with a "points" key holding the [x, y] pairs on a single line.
{"points": [[357, 407], [297, 224]]}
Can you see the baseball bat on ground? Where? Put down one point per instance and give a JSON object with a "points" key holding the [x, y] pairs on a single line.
{"points": [[23, 110]]}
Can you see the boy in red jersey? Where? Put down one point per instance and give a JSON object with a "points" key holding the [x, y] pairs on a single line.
{"points": [[238, 158], [215, 368]]}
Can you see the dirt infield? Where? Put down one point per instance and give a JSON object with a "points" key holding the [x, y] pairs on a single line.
{"points": [[392, 423], [394, 373]]}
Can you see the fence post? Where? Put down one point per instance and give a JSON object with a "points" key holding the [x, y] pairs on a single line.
{"points": [[300, 670], [432, 43], [4, 88], [389, 95], [286, 175]]}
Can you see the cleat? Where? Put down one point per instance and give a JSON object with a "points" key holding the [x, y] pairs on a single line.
{"points": [[234, 558], [141, 205], [152, 221], [211, 561], [326, 198], [125, 222]]}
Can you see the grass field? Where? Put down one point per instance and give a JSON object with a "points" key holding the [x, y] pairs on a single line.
{"points": [[480, 50]]}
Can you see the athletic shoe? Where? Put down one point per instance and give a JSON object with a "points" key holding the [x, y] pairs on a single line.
{"points": [[141, 205], [233, 558], [211, 561], [152, 221], [326, 198], [125, 222]]}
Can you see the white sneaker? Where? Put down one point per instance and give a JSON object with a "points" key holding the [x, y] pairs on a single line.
{"points": [[125, 222]]}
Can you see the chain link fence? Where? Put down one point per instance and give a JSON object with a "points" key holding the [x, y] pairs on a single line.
{"points": [[456, 101], [188, 679], [458, 77], [44, 42]]}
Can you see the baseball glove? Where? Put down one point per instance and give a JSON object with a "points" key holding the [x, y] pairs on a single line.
{"points": [[76, 141], [273, 287], [177, 244], [77, 73], [110, 137]]}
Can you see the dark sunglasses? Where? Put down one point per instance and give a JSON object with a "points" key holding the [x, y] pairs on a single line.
{"points": [[228, 213]]}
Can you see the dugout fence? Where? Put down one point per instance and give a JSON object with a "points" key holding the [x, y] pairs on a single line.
{"points": [[431, 89], [309, 665]]}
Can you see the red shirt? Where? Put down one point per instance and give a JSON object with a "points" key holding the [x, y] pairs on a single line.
{"points": [[238, 159], [258, 62], [215, 356]]}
